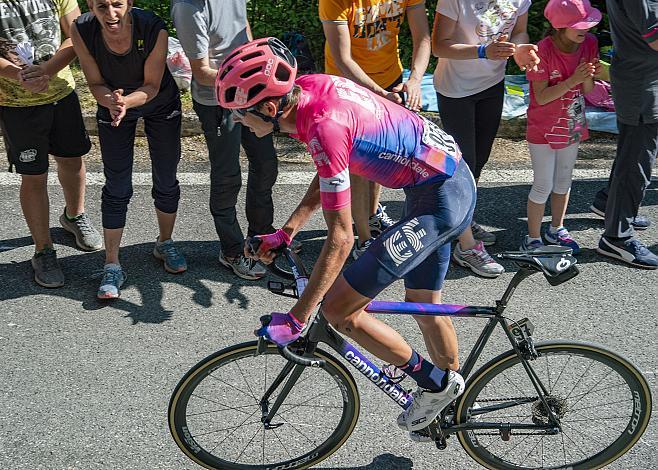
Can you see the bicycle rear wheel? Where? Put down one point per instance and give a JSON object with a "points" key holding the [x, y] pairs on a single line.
{"points": [[215, 411], [603, 404]]}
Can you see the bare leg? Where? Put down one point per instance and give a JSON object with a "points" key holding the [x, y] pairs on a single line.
{"points": [[35, 206], [360, 206], [72, 174], [535, 216], [375, 193], [375, 336], [438, 332], [559, 204], [112, 243], [466, 240], [166, 224]]}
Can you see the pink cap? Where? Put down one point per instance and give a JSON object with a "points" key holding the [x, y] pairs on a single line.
{"points": [[576, 14]]}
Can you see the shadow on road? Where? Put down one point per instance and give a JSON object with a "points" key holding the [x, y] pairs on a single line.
{"points": [[504, 209], [497, 207], [383, 462]]}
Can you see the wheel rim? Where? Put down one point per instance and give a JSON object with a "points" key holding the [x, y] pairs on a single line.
{"points": [[218, 416], [595, 398]]}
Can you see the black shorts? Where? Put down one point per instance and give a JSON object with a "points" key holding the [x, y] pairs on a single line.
{"points": [[31, 133]]}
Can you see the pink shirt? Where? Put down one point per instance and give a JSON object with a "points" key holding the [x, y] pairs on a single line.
{"points": [[561, 122], [349, 129]]}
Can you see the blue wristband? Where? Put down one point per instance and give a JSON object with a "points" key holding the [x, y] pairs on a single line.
{"points": [[482, 51]]}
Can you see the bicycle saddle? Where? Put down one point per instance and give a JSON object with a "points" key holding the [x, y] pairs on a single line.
{"points": [[555, 262]]}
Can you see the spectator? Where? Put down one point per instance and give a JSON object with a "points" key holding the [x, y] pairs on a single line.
{"points": [[556, 115], [362, 45], [471, 40], [122, 51], [208, 31], [634, 74], [40, 115]]}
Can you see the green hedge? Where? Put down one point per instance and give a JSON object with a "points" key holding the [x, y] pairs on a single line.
{"points": [[275, 17]]}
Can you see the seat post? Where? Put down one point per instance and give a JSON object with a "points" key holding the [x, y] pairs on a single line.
{"points": [[521, 274]]}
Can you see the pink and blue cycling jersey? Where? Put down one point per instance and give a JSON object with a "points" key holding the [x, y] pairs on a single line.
{"points": [[349, 129]]}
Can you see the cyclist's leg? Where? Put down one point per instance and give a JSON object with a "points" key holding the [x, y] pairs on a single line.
{"points": [[437, 213], [424, 285], [343, 307]]}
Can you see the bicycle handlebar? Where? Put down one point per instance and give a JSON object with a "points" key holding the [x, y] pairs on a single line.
{"points": [[285, 350]]}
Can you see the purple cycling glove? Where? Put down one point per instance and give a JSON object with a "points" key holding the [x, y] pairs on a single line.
{"points": [[282, 329]]}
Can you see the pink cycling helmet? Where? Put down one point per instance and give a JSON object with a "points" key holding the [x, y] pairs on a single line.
{"points": [[260, 69]]}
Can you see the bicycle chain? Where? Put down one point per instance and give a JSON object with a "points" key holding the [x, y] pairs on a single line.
{"points": [[489, 400]]}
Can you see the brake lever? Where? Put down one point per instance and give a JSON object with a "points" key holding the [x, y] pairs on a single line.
{"points": [[285, 350]]}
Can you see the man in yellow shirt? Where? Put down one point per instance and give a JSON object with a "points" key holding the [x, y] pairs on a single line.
{"points": [[362, 45], [40, 115]]}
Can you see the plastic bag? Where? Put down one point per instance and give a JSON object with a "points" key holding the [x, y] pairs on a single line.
{"points": [[179, 65]]}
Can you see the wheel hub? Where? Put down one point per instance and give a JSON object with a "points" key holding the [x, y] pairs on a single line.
{"points": [[540, 414]]}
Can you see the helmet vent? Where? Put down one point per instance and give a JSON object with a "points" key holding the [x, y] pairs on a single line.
{"points": [[255, 90], [253, 55], [250, 72], [282, 73]]}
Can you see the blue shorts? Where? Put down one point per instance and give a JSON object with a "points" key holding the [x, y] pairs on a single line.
{"points": [[417, 248]]}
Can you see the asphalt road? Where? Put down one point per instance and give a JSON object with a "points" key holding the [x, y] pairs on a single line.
{"points": [[85, 384]]}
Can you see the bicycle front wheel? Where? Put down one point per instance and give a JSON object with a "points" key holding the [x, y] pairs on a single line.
{"points": [[601, 401], [216, 409]]}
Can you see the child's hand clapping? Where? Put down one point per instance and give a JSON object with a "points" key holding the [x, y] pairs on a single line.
{"points": [[584, 71]]}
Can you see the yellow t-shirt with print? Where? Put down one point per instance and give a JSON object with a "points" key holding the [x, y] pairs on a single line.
{"points": [[374, 28], [36, 22]]}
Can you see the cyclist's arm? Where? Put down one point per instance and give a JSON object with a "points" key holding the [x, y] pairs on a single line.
{"points": [[334, 252], [307, 207]]}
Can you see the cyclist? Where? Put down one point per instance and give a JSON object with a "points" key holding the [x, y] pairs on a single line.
{"points": [[348, 128]]}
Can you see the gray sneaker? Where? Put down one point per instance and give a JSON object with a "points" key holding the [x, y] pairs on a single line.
{"points": [[113, 279], [174, 261], [482, 235], [244, 267], [86, 236], [477, 260], [47, 272]]}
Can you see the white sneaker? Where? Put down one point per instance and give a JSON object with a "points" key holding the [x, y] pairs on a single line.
{"points": [[427, 405], [360, 249], [477, 260], [423, 436]]}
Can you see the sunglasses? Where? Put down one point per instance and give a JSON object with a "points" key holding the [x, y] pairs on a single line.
{"points": [[243, 112]]}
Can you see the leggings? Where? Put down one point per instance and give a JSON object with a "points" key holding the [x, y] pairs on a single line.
{"points": [[552, 170], [473, 122]]}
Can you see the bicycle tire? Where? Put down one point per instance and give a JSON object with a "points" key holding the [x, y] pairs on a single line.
{"points": [[485, 448], [180, 415]]}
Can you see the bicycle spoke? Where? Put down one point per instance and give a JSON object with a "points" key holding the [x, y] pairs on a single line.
{"points": [[587, 420], [281, 442], [563, 368], [548, 374], [245, 381], [580, 380], [301, 433], [599, 406], [599, 390], [247, 445], [304, 402], [234, 408], [574, 442], [533, 448], [235, 428], [232, 386]]}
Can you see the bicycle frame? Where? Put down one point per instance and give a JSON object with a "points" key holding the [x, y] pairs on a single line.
{"points": [[321, 332]]}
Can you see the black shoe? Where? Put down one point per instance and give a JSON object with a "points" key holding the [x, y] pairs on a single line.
{"points": [[640, 222], [630, 251]]}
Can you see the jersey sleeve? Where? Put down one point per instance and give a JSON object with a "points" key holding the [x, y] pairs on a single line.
{"points": [[64, 7], [191, 28], [413, 4], [330, 144], [524, 7], [334, 11], [448, 8], [644, 15]]}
